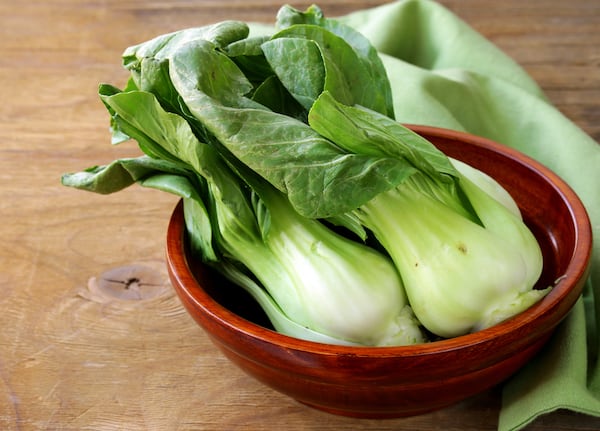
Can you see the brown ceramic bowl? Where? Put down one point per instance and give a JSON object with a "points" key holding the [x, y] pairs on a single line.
{"points": [[383, 382]]}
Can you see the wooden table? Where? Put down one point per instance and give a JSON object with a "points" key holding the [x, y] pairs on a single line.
{"points": [[77, 353]]}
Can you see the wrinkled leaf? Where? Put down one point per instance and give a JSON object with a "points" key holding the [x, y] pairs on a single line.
{"points": [[273, 95], [336, 57], [119, 174], [299, 65], [363, 131], [162, 47], [321, 180], [376, 74]]}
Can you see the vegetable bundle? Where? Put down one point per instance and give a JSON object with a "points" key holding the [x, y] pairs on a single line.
{"points": [[299, 185]]}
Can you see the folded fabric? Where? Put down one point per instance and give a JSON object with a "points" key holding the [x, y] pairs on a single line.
{"points": [[443, 73]]}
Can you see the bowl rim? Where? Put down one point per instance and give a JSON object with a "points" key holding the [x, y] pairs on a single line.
{"points": [[577, 270]]}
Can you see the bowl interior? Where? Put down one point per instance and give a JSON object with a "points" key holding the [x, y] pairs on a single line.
{"points": [[549, 207]]}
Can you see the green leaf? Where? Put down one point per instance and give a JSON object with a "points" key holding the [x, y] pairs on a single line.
{"points": [[162, 47], [358, 130], [327, 64], [288, 16], [299, 65], [118, 136], [273, 95], [197, 68], [365, 64], [119, 174], [248, 56], [154, 78], [123, 130], [196, 216], [321, 180], [168, 135]]}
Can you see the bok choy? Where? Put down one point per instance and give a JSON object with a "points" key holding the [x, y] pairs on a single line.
{"points": [[271, 141]]}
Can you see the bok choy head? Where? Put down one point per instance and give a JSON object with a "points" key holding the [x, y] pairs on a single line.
{"points": [[264, 138], [312, 282], [320, 279]]}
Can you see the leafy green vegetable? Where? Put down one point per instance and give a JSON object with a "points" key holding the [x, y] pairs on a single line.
{"points": [[270, 141], [277, 145], [295, 259], [460, 276]]}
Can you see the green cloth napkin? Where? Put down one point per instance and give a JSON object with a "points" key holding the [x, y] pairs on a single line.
{"points": [[445, 74]]}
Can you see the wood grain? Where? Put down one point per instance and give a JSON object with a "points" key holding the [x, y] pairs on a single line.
{"points": [[73, 357]]}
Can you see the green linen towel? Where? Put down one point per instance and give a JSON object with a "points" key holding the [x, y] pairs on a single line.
{"points": [[445, 74]]}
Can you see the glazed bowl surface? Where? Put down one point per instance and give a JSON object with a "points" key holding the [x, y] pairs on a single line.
{"points": [[387, 382]]}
